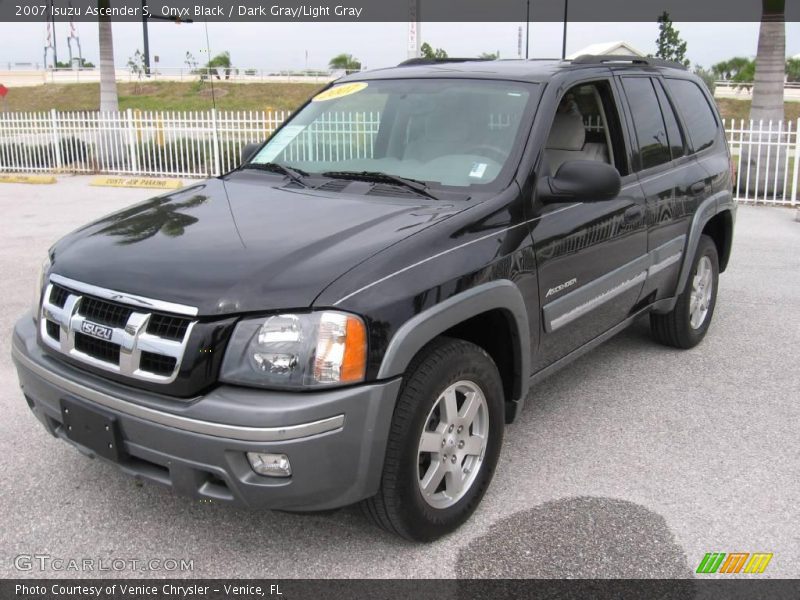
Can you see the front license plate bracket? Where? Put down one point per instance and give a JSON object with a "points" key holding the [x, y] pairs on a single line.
{"points": [[92, 428]]}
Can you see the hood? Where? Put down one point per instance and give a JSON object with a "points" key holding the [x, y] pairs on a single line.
{"points": [[258, 247]]}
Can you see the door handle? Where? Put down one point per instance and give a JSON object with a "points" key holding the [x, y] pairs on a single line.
{"points": [[634, 213], [698, 188]]}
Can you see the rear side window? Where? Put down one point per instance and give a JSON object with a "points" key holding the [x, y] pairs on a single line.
{"points": [[701, 124], [673, 130], [651, 132]]}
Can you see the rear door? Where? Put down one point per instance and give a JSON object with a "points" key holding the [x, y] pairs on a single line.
{"points": [[672, 181]]}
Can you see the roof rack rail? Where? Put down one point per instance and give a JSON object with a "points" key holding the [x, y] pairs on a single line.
{"points": [[437, 61], [601, 59]]}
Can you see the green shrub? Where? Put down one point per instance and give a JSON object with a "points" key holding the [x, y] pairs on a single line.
{"points": [[42, 156]]}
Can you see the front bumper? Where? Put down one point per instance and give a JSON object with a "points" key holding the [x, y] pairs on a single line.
{"points": [[335, 439]]}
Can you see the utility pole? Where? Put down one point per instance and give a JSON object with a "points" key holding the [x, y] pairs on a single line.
{"points": [[564, 37]]}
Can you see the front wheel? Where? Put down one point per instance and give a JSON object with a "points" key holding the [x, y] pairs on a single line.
{"points": [[444, 442]]}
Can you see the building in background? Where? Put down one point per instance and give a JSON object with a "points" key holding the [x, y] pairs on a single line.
{"points": [[619, 48]]}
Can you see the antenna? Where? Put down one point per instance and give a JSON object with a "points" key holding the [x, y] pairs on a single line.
{"points": [[210, 76]]}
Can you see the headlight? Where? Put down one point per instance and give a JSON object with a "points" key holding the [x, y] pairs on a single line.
{"points": [[37, 292], [297, 351]]}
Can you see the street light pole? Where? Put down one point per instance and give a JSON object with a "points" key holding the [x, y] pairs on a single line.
{"points": [[564, 37], [55, 46], [527, 25], [146, 41], [146, 38]]}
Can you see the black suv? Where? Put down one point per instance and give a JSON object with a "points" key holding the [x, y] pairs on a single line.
{"points": [[357, 311]]}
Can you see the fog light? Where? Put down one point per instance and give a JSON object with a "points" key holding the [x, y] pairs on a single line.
{"points": [[271, 465]]}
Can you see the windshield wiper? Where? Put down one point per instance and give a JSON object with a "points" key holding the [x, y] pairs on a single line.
{"points": [[295, 175], [381, 177]]}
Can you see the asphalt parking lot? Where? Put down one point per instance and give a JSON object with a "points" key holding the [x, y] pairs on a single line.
{"points": [[634, 461]]}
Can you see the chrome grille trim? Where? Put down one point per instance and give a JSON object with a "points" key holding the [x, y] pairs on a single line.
{"points": [[132, 339], [123, 298]]}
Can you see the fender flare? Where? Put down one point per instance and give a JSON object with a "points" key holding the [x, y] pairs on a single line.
{"points": [[708, 209], [418, 331]]}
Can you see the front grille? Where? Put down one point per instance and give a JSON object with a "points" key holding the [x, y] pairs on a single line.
{"points": [[77, 308], [157, 363], [99, 349], [102, 311], [53, 330], [166, 326], [59, 296]]}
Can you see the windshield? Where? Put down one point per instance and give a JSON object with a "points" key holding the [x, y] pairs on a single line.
{"points": [[449, 132]]}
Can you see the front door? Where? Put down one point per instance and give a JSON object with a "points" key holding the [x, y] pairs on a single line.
{"points": [[591, 256]]}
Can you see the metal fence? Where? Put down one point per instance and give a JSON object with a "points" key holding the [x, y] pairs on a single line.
{"points": [[164, 143], [766, 155], [765, 160]]}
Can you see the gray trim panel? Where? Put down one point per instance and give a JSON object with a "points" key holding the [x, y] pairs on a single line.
{"points": [[666, 255], [704, 213], [422, 328], [235, 432], [586, 298], [592, 295]]}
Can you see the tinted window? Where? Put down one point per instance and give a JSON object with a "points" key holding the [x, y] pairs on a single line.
{"points": [[673, 130], [651, 132], [701, 125]]}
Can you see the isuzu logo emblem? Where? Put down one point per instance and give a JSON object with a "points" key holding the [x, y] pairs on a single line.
{"points": [[96, 330]]}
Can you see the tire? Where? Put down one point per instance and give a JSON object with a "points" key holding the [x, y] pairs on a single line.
{"points": [[400, 506], [686, 325]]}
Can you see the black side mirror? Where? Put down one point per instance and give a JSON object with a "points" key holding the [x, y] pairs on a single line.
{"points": [[580, 181], [248, 151]]}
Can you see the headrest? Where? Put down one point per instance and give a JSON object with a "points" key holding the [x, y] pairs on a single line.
{"points": [[567, 133]]}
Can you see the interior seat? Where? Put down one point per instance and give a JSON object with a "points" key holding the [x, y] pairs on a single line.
{"points": [[565, 142]]}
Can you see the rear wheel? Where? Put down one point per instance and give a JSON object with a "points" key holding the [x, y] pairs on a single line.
{"points": [[444, 442], [688, 322]]}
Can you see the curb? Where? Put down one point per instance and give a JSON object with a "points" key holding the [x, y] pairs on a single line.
{"points": [[25, 178], [137, 182]]}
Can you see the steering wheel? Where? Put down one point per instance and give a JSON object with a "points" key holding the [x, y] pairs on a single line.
{"points": [[497, 154]]}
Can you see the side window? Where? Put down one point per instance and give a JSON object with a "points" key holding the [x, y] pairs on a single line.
{"points": [[651, 132], [586, 127], [674, 135], [701, 124]]}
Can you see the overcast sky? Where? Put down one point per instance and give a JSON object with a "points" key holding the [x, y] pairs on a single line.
{"points": [[284, 45]]}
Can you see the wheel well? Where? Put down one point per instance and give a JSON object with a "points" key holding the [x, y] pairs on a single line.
{"points": [[495, 332], [720, 229]]}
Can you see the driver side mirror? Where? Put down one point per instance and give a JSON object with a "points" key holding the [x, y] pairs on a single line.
{"points": [[249, 151], [580, 181]]}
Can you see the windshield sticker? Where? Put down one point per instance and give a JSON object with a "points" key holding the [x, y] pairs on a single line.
{"points": [[478, 170], [278, 143], [339, 91]]}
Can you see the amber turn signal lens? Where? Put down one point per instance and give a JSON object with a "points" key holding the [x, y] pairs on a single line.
{"points": [[354, 362]]}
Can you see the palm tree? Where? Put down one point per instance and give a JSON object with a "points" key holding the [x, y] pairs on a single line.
{"points": [[767, 103], [143, 221], [770, 63], [348, 62], [108, 78], [220, 61]]}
